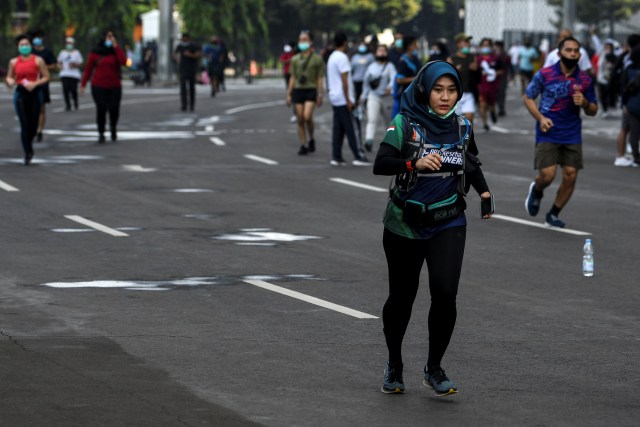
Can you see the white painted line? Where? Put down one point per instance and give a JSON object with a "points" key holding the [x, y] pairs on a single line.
{"points": [[209, 128], [540, 225], [310, 299], [261, 159], [217, 141], [138, 168], [359, 185], [255, 106], [499, 129], [96, 225], [7, 187]]}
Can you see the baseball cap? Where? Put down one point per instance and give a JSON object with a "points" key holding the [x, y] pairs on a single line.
{"points": [[69, 40], [462, 36]]}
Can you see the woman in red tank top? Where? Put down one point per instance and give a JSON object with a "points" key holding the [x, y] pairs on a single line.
{"points": [[27, 72]]}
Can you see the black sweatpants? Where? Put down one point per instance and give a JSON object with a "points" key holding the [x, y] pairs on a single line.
{"points": [[405, 257], [191, 81], [344, 123], [107, 100], [70, 91]]}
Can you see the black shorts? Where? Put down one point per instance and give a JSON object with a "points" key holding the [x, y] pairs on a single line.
{"points": [[527, 73], [46, 96], [300, 96]]}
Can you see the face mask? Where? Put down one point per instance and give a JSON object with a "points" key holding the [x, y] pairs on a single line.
{"points": [[446, 116], [414, 53], [69, 46], [569, 63], [24, 50], [398, 44], [465, 50], [381, 58], [108, 43], [303, 46], [37, 41], [362, 49], [486, 50]]}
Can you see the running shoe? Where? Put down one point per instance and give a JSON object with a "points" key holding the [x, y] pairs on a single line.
{"points": [[532, 203], [303, 150], [554, 221], [623, 162], [361, 162], [393, 382], [439, 382], [337, 163]]}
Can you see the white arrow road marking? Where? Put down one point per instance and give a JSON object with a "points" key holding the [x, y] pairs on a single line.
{"points": [[539, 225], [96, 225], [261, 159], [359, 185], [217, 141], [7, 187], [312, 300], [138, 168]]}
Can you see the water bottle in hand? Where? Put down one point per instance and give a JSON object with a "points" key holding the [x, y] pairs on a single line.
{"points": [[587, 259]]}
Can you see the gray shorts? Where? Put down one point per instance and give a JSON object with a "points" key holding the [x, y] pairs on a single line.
{"points": [[550, 154]]}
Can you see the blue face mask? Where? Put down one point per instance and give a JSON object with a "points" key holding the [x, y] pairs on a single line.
{"points": [[362, 49], [37, 41], [108, 43], [303, 46], [465, 50], [485, 50], [398, 44], [415, 53]]}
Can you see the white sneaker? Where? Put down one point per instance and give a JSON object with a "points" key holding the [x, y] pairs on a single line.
{"points": [[337, 163], [361, 163], [293, 119], [623, 162]]}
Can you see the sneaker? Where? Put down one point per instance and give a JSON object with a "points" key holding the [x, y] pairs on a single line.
{"points": [[361, 162], [439, 382], [337, 163], [293, 119], [531, 203], [554, 221], [393, 382], [623, 161], [311, 145], [303, 150]]}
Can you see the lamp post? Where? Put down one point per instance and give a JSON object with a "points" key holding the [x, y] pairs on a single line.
{"points": [[164, 40], [568, 14]]}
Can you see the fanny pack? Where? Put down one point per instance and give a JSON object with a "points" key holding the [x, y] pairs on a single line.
{"points": [[416, 213]]}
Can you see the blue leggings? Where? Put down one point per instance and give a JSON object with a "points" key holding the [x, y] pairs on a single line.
{"points": [[27, 106]]}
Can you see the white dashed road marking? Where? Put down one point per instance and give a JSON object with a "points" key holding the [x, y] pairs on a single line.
{"points": [[138, 168], [312, 300], [217, 141], [539, 225], [261, 159], [359, 185], [96, 226], [7, 187]]}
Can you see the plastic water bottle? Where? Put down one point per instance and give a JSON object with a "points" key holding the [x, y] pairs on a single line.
{"points": [[587, 259]]}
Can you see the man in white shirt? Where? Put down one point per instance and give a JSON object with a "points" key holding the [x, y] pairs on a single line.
{"points": [[342, 97], [584, 63]]}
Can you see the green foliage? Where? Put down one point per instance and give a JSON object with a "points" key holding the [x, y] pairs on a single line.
{"points": [[6, 10]]}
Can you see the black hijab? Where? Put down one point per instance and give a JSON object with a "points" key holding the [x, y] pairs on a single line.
{"points": [[101, 49], [419, 111]]}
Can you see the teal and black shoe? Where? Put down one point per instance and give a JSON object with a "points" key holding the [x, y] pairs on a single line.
{"points": [[439, 382], [393, 382]]}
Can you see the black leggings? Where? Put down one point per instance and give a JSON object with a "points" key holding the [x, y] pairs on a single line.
{"points": [[190, 81], [27, 106], [107, 100], [405, 258], [70, 91]]}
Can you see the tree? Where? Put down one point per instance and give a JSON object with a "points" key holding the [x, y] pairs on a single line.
{"points": [[241, 24], [601, 12]]}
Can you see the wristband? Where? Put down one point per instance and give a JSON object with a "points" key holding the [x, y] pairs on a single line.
{"points": [[411, 165]]}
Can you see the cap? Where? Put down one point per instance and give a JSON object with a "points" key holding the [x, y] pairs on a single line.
{"points": [[462, 37], [69, 40]]}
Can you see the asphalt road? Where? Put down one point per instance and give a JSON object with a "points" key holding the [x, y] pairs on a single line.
{"points": [[168, 278]]}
